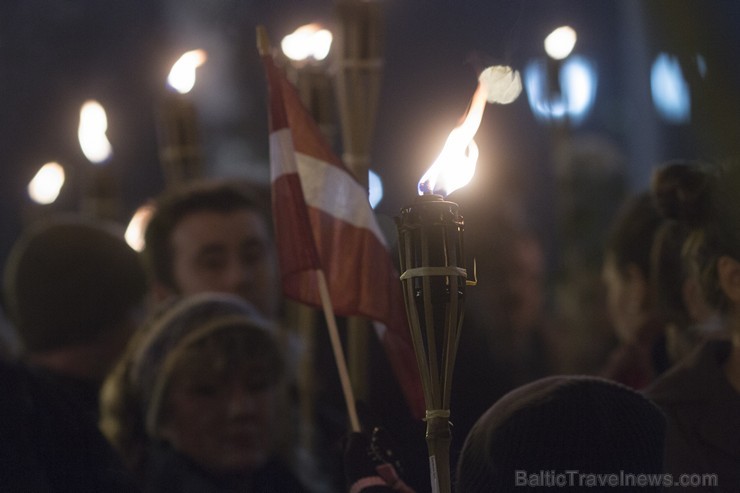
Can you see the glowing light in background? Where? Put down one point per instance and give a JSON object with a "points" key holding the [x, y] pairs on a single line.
{"points": [[309, 41], [137, 225], [375, 188], [579, 77], [543, 105], [182, 75], [670, 91], [91, 133], [560, 43], [46, 184], [578, 84], [701, 65]]}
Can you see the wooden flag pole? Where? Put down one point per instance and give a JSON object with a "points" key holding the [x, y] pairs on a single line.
{"points": [[336, 345]]}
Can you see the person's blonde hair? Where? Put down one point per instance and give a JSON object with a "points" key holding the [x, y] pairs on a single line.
{"points": [[133, 396]]}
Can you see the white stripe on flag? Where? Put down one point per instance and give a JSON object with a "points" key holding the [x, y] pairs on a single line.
{"points": [[325, 187], [282, 154], [332, 190]]}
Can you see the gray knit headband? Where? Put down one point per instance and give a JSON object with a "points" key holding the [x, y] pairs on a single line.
{"points": [[188, 321]]}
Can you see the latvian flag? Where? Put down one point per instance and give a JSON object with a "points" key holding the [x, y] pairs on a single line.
{"points": [[323, 221]]}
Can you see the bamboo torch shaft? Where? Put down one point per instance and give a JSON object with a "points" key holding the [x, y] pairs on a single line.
{"points": [[438, 442]]}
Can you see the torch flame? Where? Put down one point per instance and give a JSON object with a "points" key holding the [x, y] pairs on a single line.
{"points": [[309, 41], [45, 186], [182, 74], [91, 132], [455, 165], [137, 225]]}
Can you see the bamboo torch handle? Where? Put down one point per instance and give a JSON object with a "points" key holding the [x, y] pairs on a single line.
{"points": [[438, 442]]}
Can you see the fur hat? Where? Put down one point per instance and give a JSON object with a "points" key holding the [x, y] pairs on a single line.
{"points": [[69, 279], [559, 424]]}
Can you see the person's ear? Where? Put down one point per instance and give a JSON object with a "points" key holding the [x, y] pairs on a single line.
{"points": [[728, 273]]}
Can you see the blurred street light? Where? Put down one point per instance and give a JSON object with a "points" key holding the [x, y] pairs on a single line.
{"points": [[560, 43]]}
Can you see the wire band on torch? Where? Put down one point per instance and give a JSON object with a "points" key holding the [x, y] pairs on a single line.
{"points": [[436, 413], [434, 271]]}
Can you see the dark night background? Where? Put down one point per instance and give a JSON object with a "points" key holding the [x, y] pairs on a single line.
{"points": [[563, 183], [55, 54]]}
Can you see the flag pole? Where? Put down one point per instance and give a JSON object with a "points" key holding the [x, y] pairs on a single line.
{"points": [[336, 345]]}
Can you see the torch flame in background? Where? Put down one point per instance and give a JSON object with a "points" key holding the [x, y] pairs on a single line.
{"points": [[137, 225], [46, 184], [182, 74], [91, 133], [309, 41], [455, 165]]}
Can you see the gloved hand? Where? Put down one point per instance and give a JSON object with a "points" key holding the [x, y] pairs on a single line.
{"points": [[370, 466]]}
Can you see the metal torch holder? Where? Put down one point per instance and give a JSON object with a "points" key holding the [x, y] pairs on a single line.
{"points": [[434, 278]]}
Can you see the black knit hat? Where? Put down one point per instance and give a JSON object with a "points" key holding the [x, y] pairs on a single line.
{"points": [[68, 279], [533, 436]]}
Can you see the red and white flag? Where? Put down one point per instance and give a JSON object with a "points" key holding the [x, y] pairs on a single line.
{"points": [[323, 221]]}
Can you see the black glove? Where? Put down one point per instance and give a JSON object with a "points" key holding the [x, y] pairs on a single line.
{"points": [[370, 465]]}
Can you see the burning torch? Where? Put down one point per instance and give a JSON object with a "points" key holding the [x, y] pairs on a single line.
{"points": [[432, 265]]}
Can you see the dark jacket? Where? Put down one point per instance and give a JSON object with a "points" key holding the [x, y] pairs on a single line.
{"points": [[170, 472], [703, 410], [46, 445]]}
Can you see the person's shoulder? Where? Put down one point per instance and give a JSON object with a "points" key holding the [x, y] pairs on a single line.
{"points": [[692, 379], [49, 442], [22, 390]]}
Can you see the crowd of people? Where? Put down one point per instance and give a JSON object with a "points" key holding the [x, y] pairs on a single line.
{"points": [[173, 369]]}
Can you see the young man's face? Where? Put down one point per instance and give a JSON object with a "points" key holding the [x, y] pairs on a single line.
{"points": [[226, 252]]}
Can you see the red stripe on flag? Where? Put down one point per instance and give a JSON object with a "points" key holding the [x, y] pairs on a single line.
{"points": [[278, 118], [363, 281], [353, 258], [293, 236], [305, 129]]}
